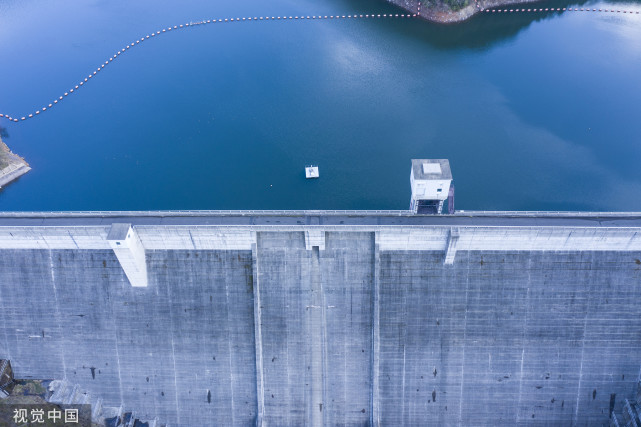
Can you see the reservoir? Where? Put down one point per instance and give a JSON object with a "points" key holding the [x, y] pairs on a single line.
{"points": [[535, 111]]}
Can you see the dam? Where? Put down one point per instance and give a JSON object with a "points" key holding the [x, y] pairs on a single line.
{"points": [[331, 318], [289, 318]]}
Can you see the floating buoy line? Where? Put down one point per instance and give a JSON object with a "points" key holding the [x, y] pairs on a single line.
{"points": [[135, 43], [93, 74], [550, 9]]}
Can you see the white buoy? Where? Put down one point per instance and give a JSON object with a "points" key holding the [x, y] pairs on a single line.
{"points": [[311, 171]]}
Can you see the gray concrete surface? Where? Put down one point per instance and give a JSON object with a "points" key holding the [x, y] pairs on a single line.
{"points": [[239, 324], [12, 172]]}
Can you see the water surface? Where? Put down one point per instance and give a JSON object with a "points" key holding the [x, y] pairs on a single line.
{"points": [[534, 111]]}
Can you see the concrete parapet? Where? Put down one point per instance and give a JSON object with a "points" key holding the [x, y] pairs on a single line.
{"points": [[53, 238], [408, 239], [130, 253], [195, 237], [390, 237], [511, 239]]}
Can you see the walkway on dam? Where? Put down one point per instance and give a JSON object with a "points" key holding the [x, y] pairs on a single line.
{"points": [[323, 218]]}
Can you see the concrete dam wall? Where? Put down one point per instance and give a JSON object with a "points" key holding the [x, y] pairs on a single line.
{"points": [[298, 318]]}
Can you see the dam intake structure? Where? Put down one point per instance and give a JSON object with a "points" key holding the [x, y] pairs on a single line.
{"points": [[478, 4]]}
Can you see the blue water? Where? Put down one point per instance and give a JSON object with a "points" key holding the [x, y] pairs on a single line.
{"points": [[533, 111]]}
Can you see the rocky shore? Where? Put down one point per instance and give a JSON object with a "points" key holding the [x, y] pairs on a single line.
{"points": [[12, 166], [450, 11]]}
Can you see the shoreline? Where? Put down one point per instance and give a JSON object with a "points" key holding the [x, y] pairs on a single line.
{"points": [[442, 14], [13, 166]]}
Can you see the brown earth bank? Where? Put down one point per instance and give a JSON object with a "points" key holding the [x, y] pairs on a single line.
{"points": [[450, 11]]}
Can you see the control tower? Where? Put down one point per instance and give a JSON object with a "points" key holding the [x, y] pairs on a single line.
{"points": [[430, 180]]}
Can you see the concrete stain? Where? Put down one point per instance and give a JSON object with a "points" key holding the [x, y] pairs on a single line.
{"points": [[613, 398]]}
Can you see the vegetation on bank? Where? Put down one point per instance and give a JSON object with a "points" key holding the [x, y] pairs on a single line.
{"points": [[454, 5]]}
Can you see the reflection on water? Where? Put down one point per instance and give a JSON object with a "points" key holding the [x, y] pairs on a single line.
{"points": [[480, 32], [534, 111]]}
